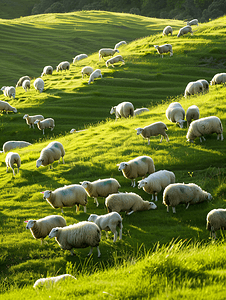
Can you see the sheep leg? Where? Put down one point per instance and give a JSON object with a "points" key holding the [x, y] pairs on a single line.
{"points": [[115, 235], [156, 198], [130, 213], [43, 131], [167, 138], [161, 138], [91, 251], [33, 126], [133, 183], [106, 234], [63, 160], [152, 197], [84, 209], [167, 208], [72, 253], [148, 141], [174, 210], [62, 210], [120, 232], [95, 201], [77, 208], [187, 205], [99, 254]]}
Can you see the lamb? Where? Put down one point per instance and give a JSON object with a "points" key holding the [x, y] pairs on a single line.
{"points": [[42, 227], [39, 85], [218, 79], [64, 65], [164, 49], [101, 188], [193, 22], [185, 30], [52, 281], [87, 71], [139, 111], [120, 44], [5, 106], [66, 196], [190, 193], [31, 119], [9, 91], [7, 146], [192, 114], [153, 130], [114, 60], [108, 222], [203, 126], [46, 123], [107, 52], [205, 84], [175, 113], [167, 30], [80, 235], [11, 159], [26, 85], [52, 152], [79, 57], [20, 81], [216, 220], [123, 109], [47, 70], [192, 88], [73, 130], [128, 202], [94, 74], [157, 181], [137, 167]]}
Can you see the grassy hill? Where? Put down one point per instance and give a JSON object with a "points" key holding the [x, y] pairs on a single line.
{"points": [[145, 80]]}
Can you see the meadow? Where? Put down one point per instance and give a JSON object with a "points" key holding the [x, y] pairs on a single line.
{"points": [[164, 256]]}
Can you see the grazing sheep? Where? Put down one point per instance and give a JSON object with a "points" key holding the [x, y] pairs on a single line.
{"points": [[203, 126], [114, 60], [205, 84], [193, 22], [156, 182], [52, 281], [153, 130], [120, 44], [42, 227], [7, 146], [80, 235], [192, 114], [190, 193], [108, 222], [39, 85], [164, 49], [47, 70], [73, 130], [101, 188], [52, 152], [20, 81], [185, 30], [218, 79], [124, 109], [79, 57], [26, 85], [9, 91], [95, 74], [46, 123], [64, 65], [216, 220], [11, 159], [66, 196], [175, 113], [128, 202], [5, 106], [192, 88], [107, 52], [137, 167], [87, 71], [31, 119], [167, 30], [139, 111]]}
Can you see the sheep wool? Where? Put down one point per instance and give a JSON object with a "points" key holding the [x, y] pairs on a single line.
{"points": [[14, 144], [193, 88], [192, 114], [175, 113], [114, 60], [120, 44], [11, 159], [52, 152], [49, 282], [205, 84], [79, 57], [26, 85], [185, 30], [157, 128], [64, 65], [46, 123], [86, 71], [9, 91], [31, 119], [47, 70], [193, 22], [107, 52], [5, 106], [20, 81], [167, 30], [218, 79], [139, 111], [164, 49], [123, 110], [39, 85], [216, 220], [94, 74]]}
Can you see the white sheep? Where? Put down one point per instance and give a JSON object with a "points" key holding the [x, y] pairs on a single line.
{"points": [[128, 202], [204, 126], [193, 88], [39, 85], [26, 85], [185, 30], [86, 71], [123, 109], [192, 114], [31, 119], [190, 193], [139, 111], [5, 106], [175, 113], [157, 128], [205, 84], [216, 220], [156, 182], [218, 79], [64, 65], [7, 146], [114, 60], [46, 123], [67, 196], [167, 30], [107, 52], [164, 49], [80, 235], [120, 44], [52, 152], [11, 159], [101, 188], [42, 227], [9, 91], [79, 57], [47, 70], [137, 167], [108, 222], [73, 130], [52, 281], [20, 81], [94, 74], [193, 22]]}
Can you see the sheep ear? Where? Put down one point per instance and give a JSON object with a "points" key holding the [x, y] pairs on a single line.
{"points": [[25, 221], [118, 165], [42, 192]]}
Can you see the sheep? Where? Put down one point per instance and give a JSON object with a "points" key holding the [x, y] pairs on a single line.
{"points": [[66, 196], [94, 74], [73, 130], [80, 235], [137, 167], [185, 30], [193, 22], [86, 71], [192, 88], [101, 188], [167, 30], [11, 159], [216, 220], [120, 44], [128, 202], [64, 65], [20, 81], [79, 57], [42, 227], [192, 114], [153, 130], [114, 60], [107, 52], [31, 119], [190, 193], [46, 123], [52, 281], [155, 182], [9, 91], [175, 113], [5, 106], [218, 79], [139, 111], [26, 85], [52, 152], [123, 109], [7, 146], [205, 84], [164, 49], [108, 222], [47, 70], [39, 85]]}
